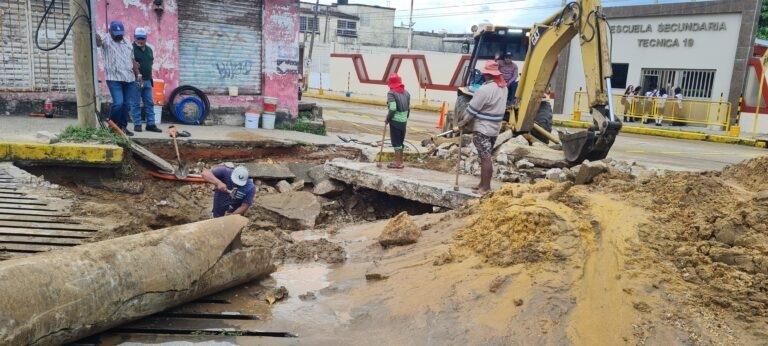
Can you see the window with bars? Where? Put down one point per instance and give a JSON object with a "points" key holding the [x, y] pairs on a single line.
{"points": [[693, 83], [308, 24], [346, 28]]}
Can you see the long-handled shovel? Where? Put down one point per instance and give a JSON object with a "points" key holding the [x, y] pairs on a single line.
{"points": [[182, 170], [381, 151], [458, 161]]}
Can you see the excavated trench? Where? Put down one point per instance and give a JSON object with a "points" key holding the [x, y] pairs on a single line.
{"points": [[127, 201]]}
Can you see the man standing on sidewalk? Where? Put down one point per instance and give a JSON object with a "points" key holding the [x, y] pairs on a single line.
{"points": [[144, 56], [120, 70]]}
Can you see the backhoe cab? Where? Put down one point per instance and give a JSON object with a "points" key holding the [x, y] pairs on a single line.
{"points": [[541, 45]]}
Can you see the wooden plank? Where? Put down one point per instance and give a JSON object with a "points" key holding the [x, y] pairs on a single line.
{"points": [[21, 239], [12, 194], [13, 247], [5, 201], [38, 218], [26, 207], [45, 232], [45, 225], [22, 212]]}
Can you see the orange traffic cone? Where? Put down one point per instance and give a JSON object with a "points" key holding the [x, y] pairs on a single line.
{"points": [[441, 119]]}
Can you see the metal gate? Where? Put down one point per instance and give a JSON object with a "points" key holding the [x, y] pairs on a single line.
{"points": [[22, 65], [220, 45], [693, 83]]}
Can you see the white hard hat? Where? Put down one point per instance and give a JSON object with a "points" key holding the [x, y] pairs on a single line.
{"points": [[240, 176], [140, 33]]}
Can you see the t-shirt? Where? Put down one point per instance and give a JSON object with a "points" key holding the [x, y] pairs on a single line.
{"points": [[508, 71], [399, 105], [118, 59], [488, 106], [222, 201], [145, 56]]}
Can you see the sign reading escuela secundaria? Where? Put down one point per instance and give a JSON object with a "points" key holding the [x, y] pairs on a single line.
{"points": [[667, 28]]}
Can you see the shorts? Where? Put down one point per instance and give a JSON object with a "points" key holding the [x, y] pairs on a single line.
{"points": [[397, 133], [484, 145]]}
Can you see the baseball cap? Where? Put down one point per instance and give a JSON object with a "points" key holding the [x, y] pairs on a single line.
{"points": [[140, 33], [116, 27], [239, 176]]}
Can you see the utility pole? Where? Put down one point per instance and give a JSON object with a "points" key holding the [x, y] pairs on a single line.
{"points": [[83, 60], [410, 28], [311, 45]]}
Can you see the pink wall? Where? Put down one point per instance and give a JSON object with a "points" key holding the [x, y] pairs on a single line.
{"points": [[281, 52], [163, 34]]}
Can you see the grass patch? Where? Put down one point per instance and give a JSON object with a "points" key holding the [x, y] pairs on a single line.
{"points": [[303, 125], [77, 134]]}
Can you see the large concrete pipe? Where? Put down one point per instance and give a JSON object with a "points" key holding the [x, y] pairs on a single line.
{"points": [[66, 295]]}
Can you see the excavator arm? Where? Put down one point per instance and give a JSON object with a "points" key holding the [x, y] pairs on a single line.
{"points": [[547, 40]]}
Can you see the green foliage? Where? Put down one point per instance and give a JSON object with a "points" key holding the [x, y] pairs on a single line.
{"points": [[762, 24], [303, 125], [77, 134]]}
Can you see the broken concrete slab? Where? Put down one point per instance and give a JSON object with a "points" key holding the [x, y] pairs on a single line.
{"points": [[296, 210], [317, 174], [283, 186], [538, 154], [587, 171], [400, 230], [328, 187], [68, 294], [271, 171], [301, 170], [422, 185]]}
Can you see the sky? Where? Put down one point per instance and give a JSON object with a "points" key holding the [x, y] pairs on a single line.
{"points": [[457, 16]]}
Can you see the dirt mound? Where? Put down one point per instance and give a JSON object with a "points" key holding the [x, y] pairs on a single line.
{"points": [[752, 174], [708, 226], [513, 226]]}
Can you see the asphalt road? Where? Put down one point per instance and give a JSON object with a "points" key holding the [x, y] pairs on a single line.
{"points": [[650, 151]]}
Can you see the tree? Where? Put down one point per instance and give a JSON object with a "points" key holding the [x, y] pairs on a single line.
{"points": [[762, 24]]}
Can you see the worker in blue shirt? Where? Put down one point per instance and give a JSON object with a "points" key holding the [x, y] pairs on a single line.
{"points": [[234, 190]]}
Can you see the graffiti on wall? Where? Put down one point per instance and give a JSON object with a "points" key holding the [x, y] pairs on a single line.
{"points": [[232, 69]]}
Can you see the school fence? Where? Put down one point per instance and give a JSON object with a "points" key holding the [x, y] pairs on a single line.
{"points": [[668, 110]]}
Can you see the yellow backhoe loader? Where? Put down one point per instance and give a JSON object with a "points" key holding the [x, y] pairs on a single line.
{"points": [[544, 42]]}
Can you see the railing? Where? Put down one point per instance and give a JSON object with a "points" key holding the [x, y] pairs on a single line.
{"points": [[670, 110]]}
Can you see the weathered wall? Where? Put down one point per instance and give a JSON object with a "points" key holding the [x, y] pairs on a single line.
{"points": [[163, 35], [375, 25], [281, 53]]}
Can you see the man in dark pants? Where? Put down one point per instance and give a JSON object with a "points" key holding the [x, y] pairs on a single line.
{"points": [[144, 56], [399, 106], [120, 70], [234, 190]]}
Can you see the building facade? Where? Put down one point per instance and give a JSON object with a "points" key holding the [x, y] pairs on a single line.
{"points": [[701, 47], [251, 46]]}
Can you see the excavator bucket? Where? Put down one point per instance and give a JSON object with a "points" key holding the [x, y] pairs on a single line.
{"points": [[589, 145]]}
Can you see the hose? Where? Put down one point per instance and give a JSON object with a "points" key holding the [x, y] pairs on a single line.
{"points": [[197, 93], [66, 32]]}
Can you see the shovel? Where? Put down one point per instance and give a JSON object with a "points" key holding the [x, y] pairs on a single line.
{"points": [[182, 170]]}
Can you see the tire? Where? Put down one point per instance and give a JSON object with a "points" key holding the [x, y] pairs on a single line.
{"points": [[544, 119], [186, 90]]}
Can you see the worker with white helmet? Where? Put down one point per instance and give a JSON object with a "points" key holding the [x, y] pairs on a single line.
{"points": [[234, 189]]}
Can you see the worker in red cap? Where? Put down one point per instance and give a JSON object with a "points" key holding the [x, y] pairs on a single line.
{"points": [[483, 117], [399, 104]]}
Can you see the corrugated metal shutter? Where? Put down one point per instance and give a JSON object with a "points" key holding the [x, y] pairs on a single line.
{"points": [[15, 58], [220, 45], [53, 70], [23, 66]]}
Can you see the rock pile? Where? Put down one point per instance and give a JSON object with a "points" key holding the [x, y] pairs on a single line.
{"points": [[518, 161]]}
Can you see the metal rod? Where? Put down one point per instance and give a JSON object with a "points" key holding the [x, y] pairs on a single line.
{"points": [[610, 98]]}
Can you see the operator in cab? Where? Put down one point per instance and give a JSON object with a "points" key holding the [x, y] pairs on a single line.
{"points": [[483, 118], [234, 190]]}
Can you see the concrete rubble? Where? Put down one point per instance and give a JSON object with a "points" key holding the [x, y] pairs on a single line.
{"points": [[283, 186], [328, 187], [425, 186], [270, 171], [293, 210], [65, 295]]}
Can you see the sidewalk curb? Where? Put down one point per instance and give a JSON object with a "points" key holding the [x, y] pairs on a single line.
{"points": [[695, 136], [62, 153], [366, 101]]}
